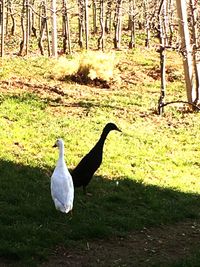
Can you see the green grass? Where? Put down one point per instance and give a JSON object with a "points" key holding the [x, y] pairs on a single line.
{"points": [[155, 159], [193, 261]]}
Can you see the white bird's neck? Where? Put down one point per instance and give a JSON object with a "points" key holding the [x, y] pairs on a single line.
{"points": [[61, 154]]}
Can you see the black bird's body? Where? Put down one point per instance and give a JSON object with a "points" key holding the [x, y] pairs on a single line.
{"points": [[83, 172]]}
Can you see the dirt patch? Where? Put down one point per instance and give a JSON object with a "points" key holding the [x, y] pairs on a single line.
{"points": [[17, 85], [172, 74], [159, 245], [82, 79]]}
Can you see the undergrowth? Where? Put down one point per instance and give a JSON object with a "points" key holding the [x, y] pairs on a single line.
{"points": [[86, 67]]}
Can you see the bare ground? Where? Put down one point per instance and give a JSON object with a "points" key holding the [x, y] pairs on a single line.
{"points": [[161, 246]]}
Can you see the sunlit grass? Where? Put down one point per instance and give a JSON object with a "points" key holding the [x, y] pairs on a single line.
{"points": [[27, 67]]}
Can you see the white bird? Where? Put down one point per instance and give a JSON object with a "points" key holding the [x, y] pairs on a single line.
{"points": [[62, 188]]}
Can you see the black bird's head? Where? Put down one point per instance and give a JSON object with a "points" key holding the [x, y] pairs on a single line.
{"points": [[110, 127]]}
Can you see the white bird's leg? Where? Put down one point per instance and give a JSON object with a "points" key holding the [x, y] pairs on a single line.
{"points": [[70, 215]]}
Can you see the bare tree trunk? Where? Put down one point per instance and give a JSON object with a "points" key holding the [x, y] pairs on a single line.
{"points": [[6, 21], [54, 29], [117, 24], [94, 13], [2, 26], [194, 47], [66, 34], [147, 24], [86, 25], [165, 22], [42, 27], [23, 42], [101, 38], [13, 28], [48, 38], [162, 38], [80, 22], [171, 27], [147, 40], [130, 6], [108, 16], [131, 25], [186, 50], [27, 25], [32, 18]]}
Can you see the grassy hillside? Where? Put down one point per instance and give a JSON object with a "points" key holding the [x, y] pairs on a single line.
{"points": [[150, 171]]}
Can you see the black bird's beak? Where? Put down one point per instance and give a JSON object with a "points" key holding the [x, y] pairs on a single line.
{"points": [[119, 130]]}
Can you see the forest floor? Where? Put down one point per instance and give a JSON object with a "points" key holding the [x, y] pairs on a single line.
{"points": [[160, 246]]}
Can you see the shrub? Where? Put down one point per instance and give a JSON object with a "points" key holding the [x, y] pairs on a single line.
{"points": [[86, 67], [64, 67], [97, 65]]}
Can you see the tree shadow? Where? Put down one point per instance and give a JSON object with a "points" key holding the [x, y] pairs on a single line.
{"points": [[122, 205], [31, 226]]}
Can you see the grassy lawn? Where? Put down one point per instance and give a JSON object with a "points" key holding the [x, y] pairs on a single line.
{"points": [[150, 171]]}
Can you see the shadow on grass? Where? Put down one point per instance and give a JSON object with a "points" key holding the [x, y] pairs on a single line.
{"points": [[87, 105], [30, 226]]}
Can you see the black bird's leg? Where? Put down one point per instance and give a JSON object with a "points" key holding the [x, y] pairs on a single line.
{"points": [[84, 190]]}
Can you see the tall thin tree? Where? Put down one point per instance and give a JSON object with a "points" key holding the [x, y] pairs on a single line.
{"points": [[118, 24], [131, 24], [2, 26], [94, 15], [66, 29], [102, 36], [162, 38], [186, 49], [54, 29], [194, 48], [86, 25], [80, 22]]}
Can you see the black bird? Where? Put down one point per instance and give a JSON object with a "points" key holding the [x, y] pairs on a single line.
{"points": [[83, 172]]}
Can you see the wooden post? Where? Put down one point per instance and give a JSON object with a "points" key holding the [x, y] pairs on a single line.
{"points": [[186, 49]]}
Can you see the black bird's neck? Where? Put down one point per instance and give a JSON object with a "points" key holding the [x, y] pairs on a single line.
{"points": [[103, 137]]}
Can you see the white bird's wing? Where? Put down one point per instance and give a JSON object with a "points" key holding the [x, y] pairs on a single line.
{"points": [[62, 189]]}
